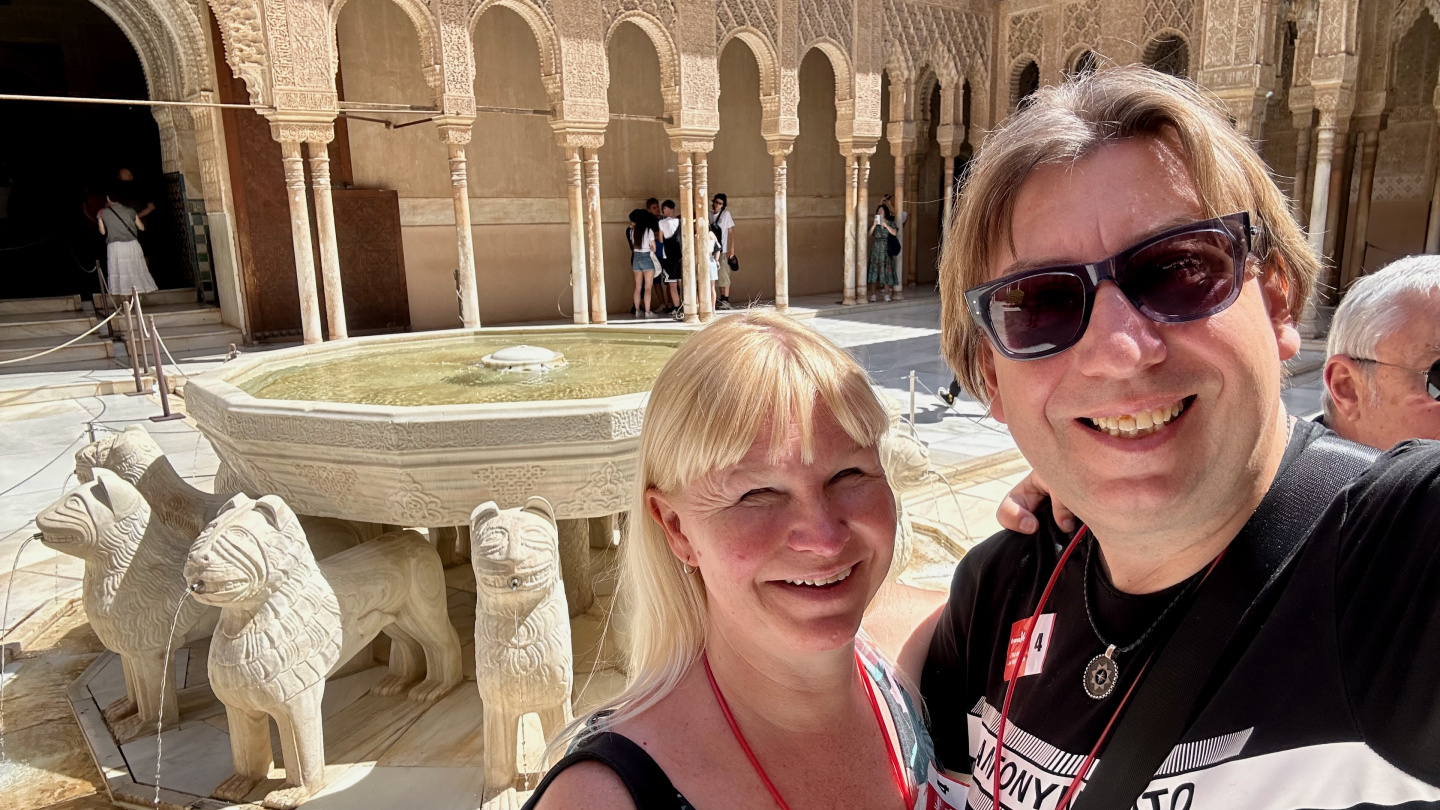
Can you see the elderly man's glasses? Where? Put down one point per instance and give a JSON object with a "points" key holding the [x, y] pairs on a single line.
{"points": [[1183, 274], [1432, 374]]}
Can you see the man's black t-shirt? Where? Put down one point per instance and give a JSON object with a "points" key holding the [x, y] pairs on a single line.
{"points": [[1330, 699]]}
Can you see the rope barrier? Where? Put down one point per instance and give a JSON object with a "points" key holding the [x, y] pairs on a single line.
{"points": [[171, 356], [75, 339]]}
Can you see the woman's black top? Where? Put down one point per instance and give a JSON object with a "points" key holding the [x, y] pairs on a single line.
{"points": [[648, 785]]}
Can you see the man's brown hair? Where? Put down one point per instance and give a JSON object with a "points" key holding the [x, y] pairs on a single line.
{"points": [[1067, 122]]}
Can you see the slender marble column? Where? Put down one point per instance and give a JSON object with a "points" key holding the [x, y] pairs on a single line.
{"points": [[1302, 173], [596, 245], [1335, 210], [912, 230], [464, 240], [862, 229], [1355, 266], [947, 196], [329, 246], [900, 231], [574, 164], [782, 238], [691, 252], [706, 296], [300, 235], [1320, 196], [852, 176]]}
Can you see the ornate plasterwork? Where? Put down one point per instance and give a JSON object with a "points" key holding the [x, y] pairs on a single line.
{"points": [[1027, 34], [1178, 15], [242, 31], [1082, 25], [822, 20], [733, 15], [662, 10], [951, 42]]}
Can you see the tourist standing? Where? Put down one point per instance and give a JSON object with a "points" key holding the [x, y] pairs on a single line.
{"points": [[884, 244], [641, 236], [670, 257], [721, 219], [124, 260]]}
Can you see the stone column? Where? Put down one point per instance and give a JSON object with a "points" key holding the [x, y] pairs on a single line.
{"points": [[595, 242], [691, 252], [782, 232], [575, 564], [1320, 197], [705, 299], [912, 229], [852, 176], [1337, 205], [862, 227], [455, 138], [947, 196], [900, 231], [329, 247], [1355, 265], [575, 173], [1432, 227], [300, 236], [1302, 169]]}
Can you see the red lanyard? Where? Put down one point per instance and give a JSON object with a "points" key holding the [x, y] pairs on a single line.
{"points": [[1074, 787], [897, 771]]}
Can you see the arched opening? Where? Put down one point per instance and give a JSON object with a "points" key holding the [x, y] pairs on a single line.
{"points": [[930, 187], [636, 162], [517, 179], [817, 183], [740, 167], [1025, 81], [1277, 141], [57, 161], [1400, 202], [1169, 52]]}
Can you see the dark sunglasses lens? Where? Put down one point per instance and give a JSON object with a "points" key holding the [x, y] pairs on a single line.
{"points": [[1432, 381], [1186, 276], [1038, 314]]}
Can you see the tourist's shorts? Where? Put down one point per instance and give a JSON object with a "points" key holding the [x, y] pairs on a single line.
{"points": [[669, 269], [724, 269], [642, 262], [714, 272]]}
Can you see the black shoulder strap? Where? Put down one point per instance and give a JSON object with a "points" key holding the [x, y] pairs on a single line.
{"points": [[649, 787], [1164, 703]]}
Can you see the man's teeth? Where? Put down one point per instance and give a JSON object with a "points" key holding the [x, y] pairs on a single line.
{"points": [[815, 583], [1144, 423]]}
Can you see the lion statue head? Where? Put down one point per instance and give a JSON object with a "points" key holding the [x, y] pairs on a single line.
{"points": [[248, 552], [103, 518], [128, 454], [515, 552]]}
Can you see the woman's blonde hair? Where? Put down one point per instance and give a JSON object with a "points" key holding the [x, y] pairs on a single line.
{"points": [[707, 408], [1067, 122]]}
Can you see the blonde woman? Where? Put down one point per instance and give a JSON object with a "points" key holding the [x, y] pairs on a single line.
{"points": [[764, 528]]}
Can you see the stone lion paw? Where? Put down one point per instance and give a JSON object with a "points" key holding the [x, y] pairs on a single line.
{"points": [[430, 690], [390, 685], [286, 798], [131, 728], [235, 788], [119, 710], [509, 799]]}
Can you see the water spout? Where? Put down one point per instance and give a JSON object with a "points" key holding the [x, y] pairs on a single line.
{"points": [[167, 665]]}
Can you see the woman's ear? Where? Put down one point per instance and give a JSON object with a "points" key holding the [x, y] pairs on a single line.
{"points": [[662, 510]]}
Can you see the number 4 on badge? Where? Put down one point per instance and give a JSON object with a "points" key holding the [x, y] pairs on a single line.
{"points": [[1039, 645]]}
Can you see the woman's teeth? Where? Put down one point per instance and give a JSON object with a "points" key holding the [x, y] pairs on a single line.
{"points": [[1132, 426], [816, 583]]}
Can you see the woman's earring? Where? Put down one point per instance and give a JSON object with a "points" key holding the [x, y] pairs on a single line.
{"points": [[688, 569]]}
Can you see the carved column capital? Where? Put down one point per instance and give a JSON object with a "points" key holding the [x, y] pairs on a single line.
{"points": [[302, 131], [779, 146], [454, 131], [570, 135]]}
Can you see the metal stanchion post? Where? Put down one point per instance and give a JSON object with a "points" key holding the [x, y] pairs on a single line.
{"points": [[166, 416], [144, 338], [130, 347], [912, 399]]}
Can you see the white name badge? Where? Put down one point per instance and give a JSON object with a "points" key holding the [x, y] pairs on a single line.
{"points": [[940, 792]]}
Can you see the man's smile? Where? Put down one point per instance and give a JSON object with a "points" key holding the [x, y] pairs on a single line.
{"points": [[1140, 422]]}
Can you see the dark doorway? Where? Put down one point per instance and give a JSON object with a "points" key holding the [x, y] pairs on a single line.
{"points": [[57, 160]]}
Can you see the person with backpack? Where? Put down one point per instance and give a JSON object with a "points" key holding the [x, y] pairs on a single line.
{"points": [[670, 270], [124, 259], [724, 226], [884, 246]]}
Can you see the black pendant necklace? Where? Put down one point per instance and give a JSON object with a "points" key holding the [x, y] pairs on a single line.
{"points": [[1103, 671]]}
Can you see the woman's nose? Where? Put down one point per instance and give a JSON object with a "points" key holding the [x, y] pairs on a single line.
{"points": [[819, 527]]}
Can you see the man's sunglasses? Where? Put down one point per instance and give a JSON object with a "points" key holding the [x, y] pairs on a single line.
{"points": [[1183, 274], [1432, 374]]}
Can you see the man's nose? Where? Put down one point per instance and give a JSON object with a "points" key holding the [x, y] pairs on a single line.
{"points": [[1119, 340]]}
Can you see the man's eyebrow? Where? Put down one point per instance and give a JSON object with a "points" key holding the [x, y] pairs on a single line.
{"points": [[1035, 264]]}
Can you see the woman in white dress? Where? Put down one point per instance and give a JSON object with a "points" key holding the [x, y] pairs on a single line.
{"points": [[124, 259]]}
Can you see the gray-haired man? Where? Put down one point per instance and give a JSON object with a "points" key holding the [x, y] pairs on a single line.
{"points": [[1382, 377]]}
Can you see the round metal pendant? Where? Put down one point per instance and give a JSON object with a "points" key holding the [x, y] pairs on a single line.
{"points": [[1100, 676]]}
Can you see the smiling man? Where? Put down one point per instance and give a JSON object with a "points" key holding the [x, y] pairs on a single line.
{"points": [[1230, 628]]}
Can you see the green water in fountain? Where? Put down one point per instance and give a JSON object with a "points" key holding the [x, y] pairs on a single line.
{"points": [[447, 371]]}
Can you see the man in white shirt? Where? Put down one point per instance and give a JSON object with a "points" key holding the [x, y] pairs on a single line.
{"points": [[670, 260]]}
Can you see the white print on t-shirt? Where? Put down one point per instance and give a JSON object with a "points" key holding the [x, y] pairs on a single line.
{"points": [[668, 226], [1201, 775]]}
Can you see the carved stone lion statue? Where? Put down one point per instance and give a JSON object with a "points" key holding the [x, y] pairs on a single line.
{"points": [[906, 461], [133, 585], [287, 622], [523, 659]]}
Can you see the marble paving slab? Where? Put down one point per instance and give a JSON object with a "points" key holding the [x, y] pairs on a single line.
{"points": [[450, 734], [365, 787], [195, 758]]}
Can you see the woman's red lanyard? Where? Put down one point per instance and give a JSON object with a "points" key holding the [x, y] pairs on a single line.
{"points": [[1075, 783], [897, 771]]}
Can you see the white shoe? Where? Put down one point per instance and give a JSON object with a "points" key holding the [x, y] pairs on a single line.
{"points": [[872, 298], [887, 297]]}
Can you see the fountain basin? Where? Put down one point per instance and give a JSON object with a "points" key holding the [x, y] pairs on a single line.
{"points": [[429, 431]]}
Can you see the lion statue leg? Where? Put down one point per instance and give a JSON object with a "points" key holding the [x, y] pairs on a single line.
{"points": [[502, 727], [427, 622], [148, 668], [552, 720], [407, 663], [249, 751], [120, 708], [302, 741]]}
